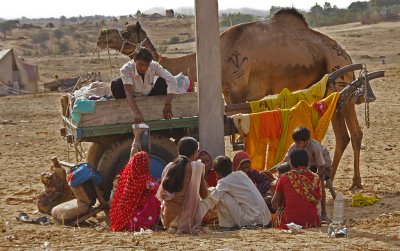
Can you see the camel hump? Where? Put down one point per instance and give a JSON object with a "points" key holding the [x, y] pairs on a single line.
{"points": [[286, 13]]}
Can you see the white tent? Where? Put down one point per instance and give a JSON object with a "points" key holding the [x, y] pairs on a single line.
{"points": [[16, 76]]}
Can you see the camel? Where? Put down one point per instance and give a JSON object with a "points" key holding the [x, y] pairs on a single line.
{"points": [[261, 58]]}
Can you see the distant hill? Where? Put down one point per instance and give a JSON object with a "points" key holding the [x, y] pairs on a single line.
{"points": [[190, 11], [255, 12]]}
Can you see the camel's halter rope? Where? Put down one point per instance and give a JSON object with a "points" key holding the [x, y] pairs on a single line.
{"points": [[137, 45], [363, 74]]}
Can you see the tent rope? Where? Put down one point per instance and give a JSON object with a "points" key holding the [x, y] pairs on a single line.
{"points": [[14, 91], [80, 76]]}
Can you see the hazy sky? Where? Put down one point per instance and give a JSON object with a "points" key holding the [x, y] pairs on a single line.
{"points": [[55, 8]]}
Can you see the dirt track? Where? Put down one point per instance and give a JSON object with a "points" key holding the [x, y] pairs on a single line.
{"points": [[32, 138]]}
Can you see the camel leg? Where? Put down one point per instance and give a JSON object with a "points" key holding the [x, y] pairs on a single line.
{"points": [[356, 135], [342, 140]]}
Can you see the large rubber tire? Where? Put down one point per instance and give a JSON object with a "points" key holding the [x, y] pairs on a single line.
{"points": [[116, 156], [95, 152]]}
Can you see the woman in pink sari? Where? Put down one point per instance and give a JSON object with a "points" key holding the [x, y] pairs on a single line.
{"points": [[181, 188]]}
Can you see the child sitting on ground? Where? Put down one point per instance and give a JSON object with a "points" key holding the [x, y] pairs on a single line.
{"points": [[302, 139], [300, 190]]}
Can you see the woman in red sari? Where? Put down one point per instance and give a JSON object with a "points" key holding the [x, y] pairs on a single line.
{"points": [[301, 191], [134, 205]]}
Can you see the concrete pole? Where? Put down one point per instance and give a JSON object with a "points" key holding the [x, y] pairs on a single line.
{"points": [[211, 105]]}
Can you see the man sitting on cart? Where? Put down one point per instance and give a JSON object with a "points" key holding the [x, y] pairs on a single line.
{"points": [[137, 79]]}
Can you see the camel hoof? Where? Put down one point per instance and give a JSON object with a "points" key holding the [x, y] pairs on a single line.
{"points": [[356, 186]]}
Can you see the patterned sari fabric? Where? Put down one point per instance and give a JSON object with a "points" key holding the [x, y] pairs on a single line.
{"points": [[301, 190], [308, 187], [131, 193]]}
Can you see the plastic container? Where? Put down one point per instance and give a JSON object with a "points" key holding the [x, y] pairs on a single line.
{"points": [[144, 137], [338, 209]]}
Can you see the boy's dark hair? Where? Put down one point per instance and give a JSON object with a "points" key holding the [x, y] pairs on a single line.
{"points": [[223, 165], [144, 54], [299, 157], [301, 133], [283, 167], [173, 182]]}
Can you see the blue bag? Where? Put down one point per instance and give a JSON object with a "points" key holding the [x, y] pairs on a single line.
{"points": [[81, 173]]}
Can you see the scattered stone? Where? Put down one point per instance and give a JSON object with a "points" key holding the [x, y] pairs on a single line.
{"points": [[11, 237], [7, 122]]}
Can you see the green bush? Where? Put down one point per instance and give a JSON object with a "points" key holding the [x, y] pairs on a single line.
{"points": [[162, 49], [63, 48], [236, 18], [174, 40], [40, 37]]}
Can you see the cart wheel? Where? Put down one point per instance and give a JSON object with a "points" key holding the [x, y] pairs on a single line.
{"points": [[116, 156], [95, 152]]}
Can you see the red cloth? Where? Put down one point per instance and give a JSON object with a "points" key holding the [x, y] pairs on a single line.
{"points": [[212, 178], [239, 158], [270, 125], [131, 193], [321, 107], [298, 209]]}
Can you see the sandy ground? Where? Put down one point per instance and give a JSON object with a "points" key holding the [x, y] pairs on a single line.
{"points": [[32, 137]]}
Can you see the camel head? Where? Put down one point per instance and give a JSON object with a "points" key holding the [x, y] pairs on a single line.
{"points": [[126, 40]]}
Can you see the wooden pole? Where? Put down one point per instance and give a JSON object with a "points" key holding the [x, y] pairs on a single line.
{"points": [[211, 105]]}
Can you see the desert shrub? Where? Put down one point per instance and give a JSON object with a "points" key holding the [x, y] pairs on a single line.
{"points": [[77, 36], [58, 34], [162, 49], [50, 25], [174, 40], [40, 37], [63, 48], [43, 46], [236, 18], [27, 53], [27, 45]]}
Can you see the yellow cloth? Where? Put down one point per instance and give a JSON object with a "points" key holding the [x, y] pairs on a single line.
{"points": [[274, 159], [286, 99], [298, 115], [256, 144], [359, 200], [301, 115]]}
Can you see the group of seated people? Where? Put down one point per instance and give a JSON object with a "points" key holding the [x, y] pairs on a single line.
{"points": [[195, 184]]}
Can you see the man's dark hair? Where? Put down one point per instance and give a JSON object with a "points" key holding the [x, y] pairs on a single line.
{"points": [[173, 182], [283, 167], [223, 165], [301, 133], [144, 54], [299, 157]]}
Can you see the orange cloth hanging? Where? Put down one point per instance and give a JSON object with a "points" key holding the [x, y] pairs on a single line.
{"points": [[300, 115], [265, 129]]}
